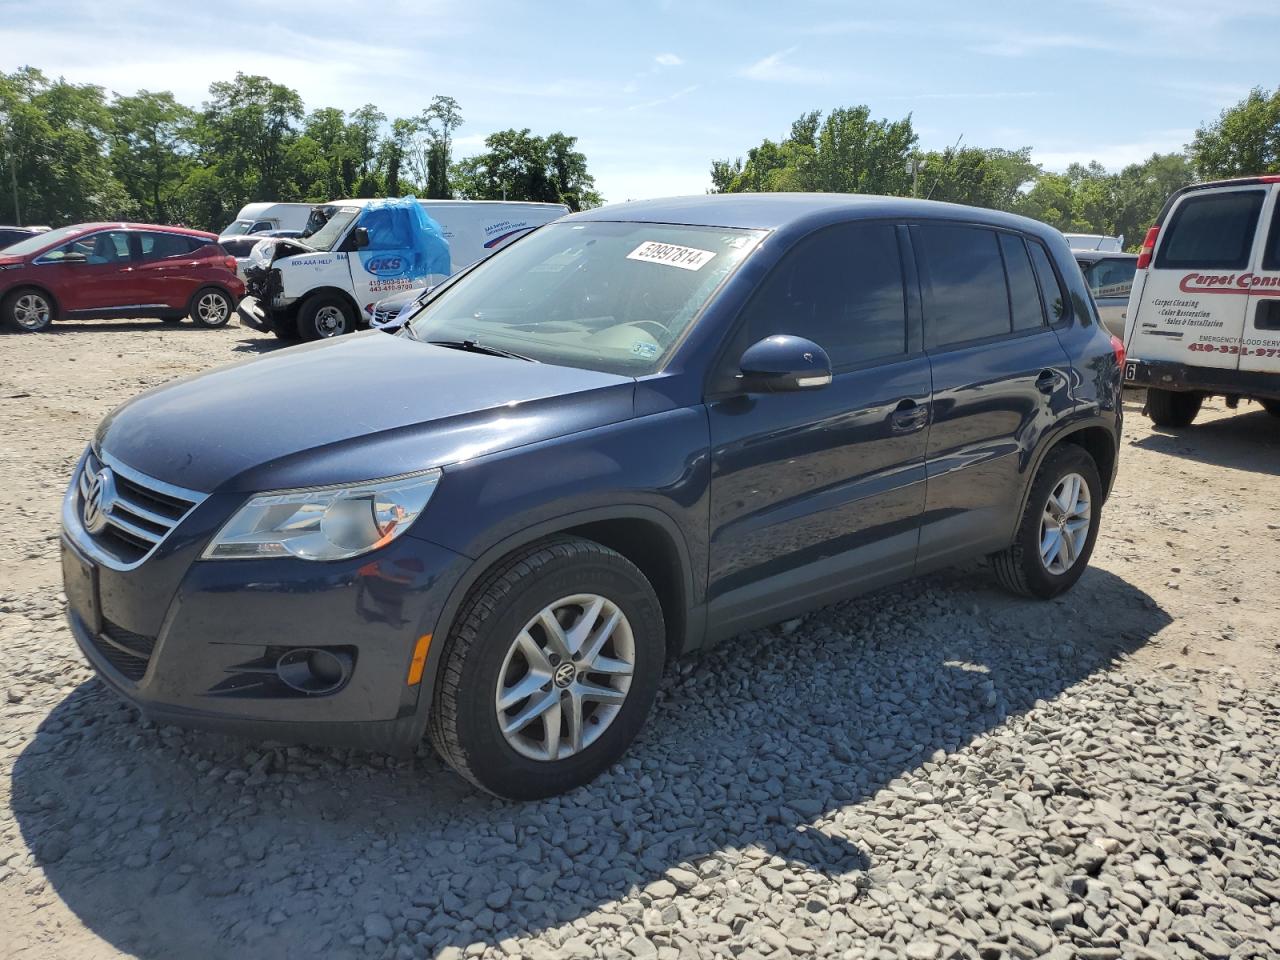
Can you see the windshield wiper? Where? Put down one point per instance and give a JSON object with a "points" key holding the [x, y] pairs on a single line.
{"points": [[471, 346]]}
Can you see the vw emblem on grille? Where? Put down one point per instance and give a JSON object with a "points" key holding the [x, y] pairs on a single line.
{"points": [[99, 500]]}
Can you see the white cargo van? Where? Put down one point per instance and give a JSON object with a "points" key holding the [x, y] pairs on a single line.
{"points": [[261, 217], [1204, 313], [326, 284]]}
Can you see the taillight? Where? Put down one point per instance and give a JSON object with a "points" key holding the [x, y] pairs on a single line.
{"points": [[1117, 345], [1148, 247], [230, 263]]}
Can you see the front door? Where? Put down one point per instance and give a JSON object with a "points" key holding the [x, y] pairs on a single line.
{"points": [[95, 272], [815, 494]]}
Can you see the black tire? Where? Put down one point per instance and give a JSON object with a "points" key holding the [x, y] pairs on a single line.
{"points": [[325, 315], [1020, 568], [212, 307], [464, 725], [1271, 406], [1172, 408], [28, 309], [172, 321]]}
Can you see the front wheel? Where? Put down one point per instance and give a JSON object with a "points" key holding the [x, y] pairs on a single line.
{"points": [[550, 671], [325, 316], [1059, 527], [28, 310], [211, 307], [1172, 408]]}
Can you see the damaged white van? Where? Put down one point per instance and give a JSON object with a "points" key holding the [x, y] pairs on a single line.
{"points": [[325, 284], [1204, 312]]}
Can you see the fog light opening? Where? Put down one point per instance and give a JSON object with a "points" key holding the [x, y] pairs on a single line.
{"points": [[313, 671]]}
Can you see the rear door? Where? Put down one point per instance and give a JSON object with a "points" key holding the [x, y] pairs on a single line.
{"points": [[1000, 379], [1260, 352], [1196, 294], [168, 269]]}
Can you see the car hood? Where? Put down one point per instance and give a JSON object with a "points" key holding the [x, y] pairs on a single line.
{"points": [[350, 409], [9, 261]]}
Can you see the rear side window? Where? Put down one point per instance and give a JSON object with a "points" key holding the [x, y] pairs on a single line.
{"points": [[966, 297], [1214, 231], [157, 246], [842, 289], [1055, 298], [1024, 296]]}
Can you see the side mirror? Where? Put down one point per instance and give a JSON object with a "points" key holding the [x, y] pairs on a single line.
{"points": [[783, 363], [359, 239]]}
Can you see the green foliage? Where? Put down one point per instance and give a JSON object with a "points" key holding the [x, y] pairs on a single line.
{"points": [[70, 154], [1244, 140], [517, 165]]}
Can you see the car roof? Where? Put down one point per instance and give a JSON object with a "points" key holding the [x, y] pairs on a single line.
{"points": [[773, 211], [82, 228], [1094, 255]]}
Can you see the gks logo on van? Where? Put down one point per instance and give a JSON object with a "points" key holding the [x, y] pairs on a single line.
{"points": [[385, 265]]}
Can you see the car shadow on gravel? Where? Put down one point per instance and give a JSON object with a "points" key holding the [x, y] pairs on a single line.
{"points": [[1246, 441], [261, 344], [170, 843]]}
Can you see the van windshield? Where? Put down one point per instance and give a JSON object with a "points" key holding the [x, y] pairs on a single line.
{"points": [[601, 295], [238, 228], [327, 237]]}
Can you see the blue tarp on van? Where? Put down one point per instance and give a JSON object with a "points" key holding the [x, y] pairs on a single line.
{"points": [[403, 240]]}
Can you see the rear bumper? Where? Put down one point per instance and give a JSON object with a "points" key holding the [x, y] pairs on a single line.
{"points": [[1184, 378]]}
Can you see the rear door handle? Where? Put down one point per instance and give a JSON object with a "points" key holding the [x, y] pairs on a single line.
{"points": [[1047, 381], [909, 416]]}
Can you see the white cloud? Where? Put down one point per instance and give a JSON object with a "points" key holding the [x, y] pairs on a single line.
{"points": [[667, 60], [1114, 156], [658, 101], [775, 69], [1012, 43]]}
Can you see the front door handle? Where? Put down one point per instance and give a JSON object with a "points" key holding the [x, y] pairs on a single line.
{"points": [[909, 416], [1047, 381]]}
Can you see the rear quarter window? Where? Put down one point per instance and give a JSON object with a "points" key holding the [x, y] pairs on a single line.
{"points": [[1213, 231]]}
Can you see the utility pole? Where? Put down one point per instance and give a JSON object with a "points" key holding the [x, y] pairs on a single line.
{"points": [[13, 169]]}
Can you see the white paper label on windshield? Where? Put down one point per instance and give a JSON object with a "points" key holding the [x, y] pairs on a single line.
{"points": [[670, 255]]}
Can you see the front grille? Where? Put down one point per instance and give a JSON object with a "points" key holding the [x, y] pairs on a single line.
{"points": [[125, 650], [140, 515]]}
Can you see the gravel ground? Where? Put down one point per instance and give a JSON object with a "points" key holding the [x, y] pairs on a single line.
{"points": [[933, 771]]}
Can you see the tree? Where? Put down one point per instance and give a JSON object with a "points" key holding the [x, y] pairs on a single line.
{"points": [[517, 165], [149, 149], [245, 134], [990, 177], [1244, 140]]}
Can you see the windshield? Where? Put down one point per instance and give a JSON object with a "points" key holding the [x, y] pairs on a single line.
{"points": [[41, 240], [237, 228], [327, 237], [608, 296]]}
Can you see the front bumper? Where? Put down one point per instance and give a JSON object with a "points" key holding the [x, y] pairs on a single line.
{"points": [[195, 642], [1181, 377]]}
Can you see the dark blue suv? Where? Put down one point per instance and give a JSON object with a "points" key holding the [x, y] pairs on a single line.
{"points": [[633, 433]]}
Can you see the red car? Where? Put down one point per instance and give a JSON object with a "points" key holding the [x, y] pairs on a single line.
{"points": [[117, 270]]}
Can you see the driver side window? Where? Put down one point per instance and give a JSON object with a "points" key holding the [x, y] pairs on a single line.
{"points": [[110, 246], [841, 288]]}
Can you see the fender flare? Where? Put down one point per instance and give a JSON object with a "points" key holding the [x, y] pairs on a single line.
{"points": [[484, 561], [1051, 440]]}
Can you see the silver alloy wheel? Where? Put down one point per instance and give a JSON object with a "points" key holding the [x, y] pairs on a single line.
{"points": [[31, 311], [1064, 525], [213, 309], [330, 321], [565, 677]]}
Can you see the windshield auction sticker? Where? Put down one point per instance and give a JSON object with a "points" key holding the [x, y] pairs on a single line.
{"points": [[670, 255]]}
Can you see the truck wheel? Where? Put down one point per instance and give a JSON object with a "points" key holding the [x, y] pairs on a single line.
{"points": [[1271, 406], [549, 671], [325, 316], [1059, 527], [28, 310], [1172, 408], [211, 307]]}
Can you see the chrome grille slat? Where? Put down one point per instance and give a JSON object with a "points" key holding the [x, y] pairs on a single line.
{"points": [[143, 513]]}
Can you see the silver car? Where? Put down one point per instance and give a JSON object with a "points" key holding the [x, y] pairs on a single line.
{"points": [[1110, 278]]}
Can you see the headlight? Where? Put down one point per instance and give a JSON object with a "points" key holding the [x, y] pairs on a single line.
{"points": [[324, 523]]}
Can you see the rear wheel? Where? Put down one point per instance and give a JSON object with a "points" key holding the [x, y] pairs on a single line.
{"points": [[1172, 408], [28, 310], [1058, 529], [211, 307], [325, 316], [1271, 406], [550, 671]]}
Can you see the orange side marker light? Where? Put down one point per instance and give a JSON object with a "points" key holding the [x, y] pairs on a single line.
{"points": [[419, 660]]}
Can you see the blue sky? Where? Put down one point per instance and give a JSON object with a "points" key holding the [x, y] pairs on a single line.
{"points": [[655, 90]]}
